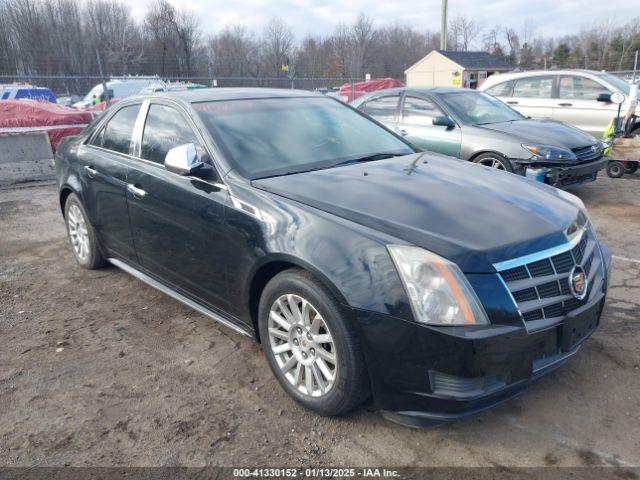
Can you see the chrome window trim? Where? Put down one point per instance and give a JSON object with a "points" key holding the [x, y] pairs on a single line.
{"points": [[138, 129], [549, 252], [168, 102]]}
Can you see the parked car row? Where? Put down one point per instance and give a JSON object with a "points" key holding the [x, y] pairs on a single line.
{"points": [[362, 264]]}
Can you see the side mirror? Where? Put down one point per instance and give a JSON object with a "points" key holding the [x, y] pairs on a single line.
{"points": [[183, 160], [444, 121], [617, 98], [604, 97]]}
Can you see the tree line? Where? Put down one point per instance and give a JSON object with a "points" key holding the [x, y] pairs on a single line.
{"points": [[65, 37]]}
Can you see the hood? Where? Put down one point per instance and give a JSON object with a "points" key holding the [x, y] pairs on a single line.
{"points": [[473, 215], [543, 132]]}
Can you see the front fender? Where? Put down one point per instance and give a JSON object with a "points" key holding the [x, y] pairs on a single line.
{"points": [[350, 259]]}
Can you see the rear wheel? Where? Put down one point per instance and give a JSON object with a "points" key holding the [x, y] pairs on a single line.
{"points": [[310, 345], [494, 160], [632, 167], [82, 235], [615, 169]]}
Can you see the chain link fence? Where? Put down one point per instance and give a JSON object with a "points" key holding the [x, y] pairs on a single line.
{"points": [[81, 84]]}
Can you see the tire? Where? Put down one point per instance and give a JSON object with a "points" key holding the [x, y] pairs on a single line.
{"points": [[284, 351], [615, 169], [631, 168], [82, 236], [494, 160]]}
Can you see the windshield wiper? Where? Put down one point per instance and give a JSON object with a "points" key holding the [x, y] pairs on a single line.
{"points": [[369, 158]]}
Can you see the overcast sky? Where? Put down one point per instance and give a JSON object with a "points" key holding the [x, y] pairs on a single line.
{"points": [[550, 17]]}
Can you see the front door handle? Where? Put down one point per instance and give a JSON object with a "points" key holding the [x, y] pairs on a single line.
{"points": [[404, 133], [512, 102], [91, 172], [566, 104], [137, 192]]}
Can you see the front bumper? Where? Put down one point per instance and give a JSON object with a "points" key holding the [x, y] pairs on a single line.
{"points": [[423, 376], [565, 176]]}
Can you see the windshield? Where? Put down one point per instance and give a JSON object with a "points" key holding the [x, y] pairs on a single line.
{"points": [[478, 108], [275, 136], [617, 82]]}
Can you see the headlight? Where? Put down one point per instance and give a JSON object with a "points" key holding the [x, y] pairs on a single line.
{"points": [[438, 291], [546, 152]]}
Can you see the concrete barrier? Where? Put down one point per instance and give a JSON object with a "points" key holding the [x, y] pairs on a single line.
{"points": [[25, 157]]}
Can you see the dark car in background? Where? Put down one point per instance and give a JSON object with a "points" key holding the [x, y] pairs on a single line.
{"points": [[475, 126], [362, 266]]}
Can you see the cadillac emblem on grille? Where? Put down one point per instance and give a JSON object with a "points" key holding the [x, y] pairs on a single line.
{"points": [[578, 282]]}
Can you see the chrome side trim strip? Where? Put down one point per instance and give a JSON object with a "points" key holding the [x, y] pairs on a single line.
{"points": [[549, 252], [181, 298]]}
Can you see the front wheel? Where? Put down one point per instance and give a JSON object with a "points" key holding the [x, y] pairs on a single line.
{"points": [[312, 348], [82, 235], [615, 169], [494, 160]]}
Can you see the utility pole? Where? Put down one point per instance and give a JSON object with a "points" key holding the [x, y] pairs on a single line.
{"points": [[104, 81], [443, 26]]}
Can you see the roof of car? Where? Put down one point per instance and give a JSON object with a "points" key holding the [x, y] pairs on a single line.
{"points": [[429, 90], [439, 89], [219, 94], [504, 77]]}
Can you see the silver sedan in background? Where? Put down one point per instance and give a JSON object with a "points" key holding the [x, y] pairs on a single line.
{"points": [[474, 126], [581, 98]]}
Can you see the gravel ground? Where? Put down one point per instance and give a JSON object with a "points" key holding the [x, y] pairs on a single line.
{"points": [[98, 369]]}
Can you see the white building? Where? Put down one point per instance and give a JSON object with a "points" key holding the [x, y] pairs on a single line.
{"points": [[442, 68]]}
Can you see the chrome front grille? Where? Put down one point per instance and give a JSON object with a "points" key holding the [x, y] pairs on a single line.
{"points": [[586, 154], [540, 285]]}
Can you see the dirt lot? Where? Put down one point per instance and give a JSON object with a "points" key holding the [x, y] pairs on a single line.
{"points": [[96, 368]]}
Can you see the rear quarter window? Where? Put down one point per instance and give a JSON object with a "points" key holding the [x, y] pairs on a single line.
{"points": [[116, 135], [502, 89]]}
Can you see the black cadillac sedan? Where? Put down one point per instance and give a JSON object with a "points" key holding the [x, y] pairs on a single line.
{"points": [[363, 267]]}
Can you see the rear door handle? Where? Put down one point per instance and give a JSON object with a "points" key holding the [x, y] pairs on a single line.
{"points": [[137, 192], [512, 102], [91, 172], [566, 104], [404, 133]]}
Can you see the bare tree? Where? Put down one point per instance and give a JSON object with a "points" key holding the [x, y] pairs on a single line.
{"points": [[234, 52], [362, 33], [159, 26], [341, 43], [277, 43], [463, 31]]}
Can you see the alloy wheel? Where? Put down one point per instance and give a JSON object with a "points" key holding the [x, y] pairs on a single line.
{"points": [[302, 345], [493, 163], [78, 232]]}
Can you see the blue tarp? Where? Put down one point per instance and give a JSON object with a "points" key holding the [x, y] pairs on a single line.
{"points": [[32, 93]]}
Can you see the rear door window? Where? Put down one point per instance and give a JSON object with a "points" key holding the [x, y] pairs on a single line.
{"points": [[383, 109], [164, 129], [534, 87], [116, 134]]}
